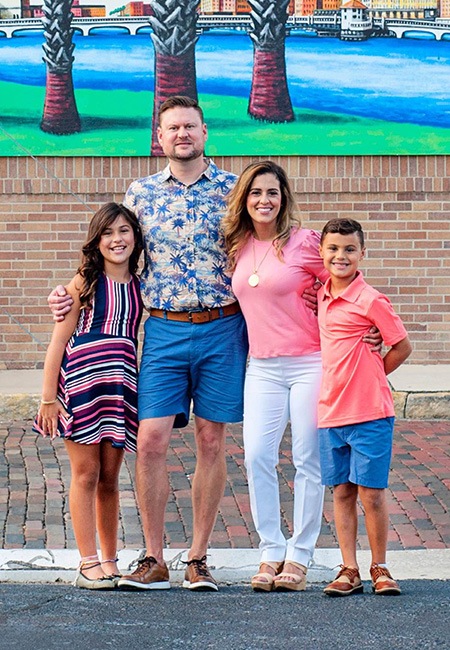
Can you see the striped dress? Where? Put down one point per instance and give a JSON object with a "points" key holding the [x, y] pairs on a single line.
{"points": [[98, 377]]}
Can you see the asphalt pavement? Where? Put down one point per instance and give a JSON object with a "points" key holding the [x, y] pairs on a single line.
{"points": [[48, 617]]}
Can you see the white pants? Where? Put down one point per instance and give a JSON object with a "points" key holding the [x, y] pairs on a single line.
{"points": [[278, 390]]}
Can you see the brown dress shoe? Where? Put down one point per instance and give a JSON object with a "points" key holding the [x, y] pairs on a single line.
{"points": [[148, 575], [198, 577], [383, 583], [347, 582]]}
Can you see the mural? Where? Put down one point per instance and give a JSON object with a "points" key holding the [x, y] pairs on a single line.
{"points": [[272, 79]]}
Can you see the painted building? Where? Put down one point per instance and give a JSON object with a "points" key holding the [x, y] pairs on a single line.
{"points": [[404, 9], [209, 6], [134, 9], [10, 9], [401, 5], [308, 7], [228, 7], [445, 9], [242, 7], [305, 7], [356, 24]]}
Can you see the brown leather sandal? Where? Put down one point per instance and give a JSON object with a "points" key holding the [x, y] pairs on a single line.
{"points": [[287, 581], [263, 580]]}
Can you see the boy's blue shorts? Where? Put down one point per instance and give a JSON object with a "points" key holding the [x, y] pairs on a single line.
{"points": [[357, 453], [204, 363]]}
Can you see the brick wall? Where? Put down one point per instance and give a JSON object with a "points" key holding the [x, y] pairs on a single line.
{"points": [[402, 202]]}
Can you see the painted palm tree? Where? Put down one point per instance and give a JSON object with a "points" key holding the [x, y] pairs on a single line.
{"points": [[269, 96], [60, 110], [174, 38]]}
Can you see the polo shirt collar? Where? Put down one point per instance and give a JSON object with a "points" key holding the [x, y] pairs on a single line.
{"points": [[352, 292]]}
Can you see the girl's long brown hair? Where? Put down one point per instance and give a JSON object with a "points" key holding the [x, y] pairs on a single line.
{"points": [[92, 262], [237, 224]]}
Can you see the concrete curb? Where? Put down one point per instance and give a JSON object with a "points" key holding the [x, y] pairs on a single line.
{"points": [[408, 405], [230, 566], [421, 392]]}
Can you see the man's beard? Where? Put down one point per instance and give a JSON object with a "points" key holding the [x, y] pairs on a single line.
{"points": [[191, 155]]}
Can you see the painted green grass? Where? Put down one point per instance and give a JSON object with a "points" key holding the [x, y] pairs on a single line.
{"points": [[108, 123], [118, 123]]}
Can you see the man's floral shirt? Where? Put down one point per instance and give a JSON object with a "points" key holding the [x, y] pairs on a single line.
{"points": [[185, 266]]}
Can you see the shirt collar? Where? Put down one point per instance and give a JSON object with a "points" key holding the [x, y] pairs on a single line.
{"points": [[352, 292], [209, 172]]}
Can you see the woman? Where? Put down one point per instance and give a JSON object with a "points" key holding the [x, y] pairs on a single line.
{"points": [[273, 261]]}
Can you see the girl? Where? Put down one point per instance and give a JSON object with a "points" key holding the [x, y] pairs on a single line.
{"points": [[89, 389]]}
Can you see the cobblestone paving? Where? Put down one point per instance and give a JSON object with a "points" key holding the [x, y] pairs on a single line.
{"points": [[35, 476]]}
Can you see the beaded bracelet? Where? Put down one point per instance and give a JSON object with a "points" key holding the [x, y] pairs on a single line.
{"points": [[52, 401]]}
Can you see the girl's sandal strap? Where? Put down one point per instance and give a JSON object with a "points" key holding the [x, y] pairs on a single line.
{"points": [[89, 565], [112, 575]]}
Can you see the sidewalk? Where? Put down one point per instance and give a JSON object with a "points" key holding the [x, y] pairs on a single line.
{"points": [[421, 392], [37, 540]]}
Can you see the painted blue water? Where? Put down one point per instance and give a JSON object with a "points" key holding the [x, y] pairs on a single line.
{"points": [[401, 80]]}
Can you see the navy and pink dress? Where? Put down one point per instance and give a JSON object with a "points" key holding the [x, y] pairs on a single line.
{"points": [[98, 377]]}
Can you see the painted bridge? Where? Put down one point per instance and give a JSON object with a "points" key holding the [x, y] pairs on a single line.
{"points": [[401, 27], [131, 24], [135, 24]]}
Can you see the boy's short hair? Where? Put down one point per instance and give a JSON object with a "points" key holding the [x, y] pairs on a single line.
{"points": [[343, 226], [179, 101]]}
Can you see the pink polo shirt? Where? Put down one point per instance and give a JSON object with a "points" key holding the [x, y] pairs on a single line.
{"points": [[278, 321], [354, 385]]}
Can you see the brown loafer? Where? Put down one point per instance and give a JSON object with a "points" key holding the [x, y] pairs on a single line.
{"points": [[383, 583], [347, 582]]}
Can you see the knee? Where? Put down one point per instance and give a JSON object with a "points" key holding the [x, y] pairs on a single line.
{"points": [[372, 498], [345, 493], [87, 478], [210, 439], [152, 443]]}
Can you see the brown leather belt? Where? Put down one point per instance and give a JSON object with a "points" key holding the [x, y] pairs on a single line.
{"points": [[197, 317]]}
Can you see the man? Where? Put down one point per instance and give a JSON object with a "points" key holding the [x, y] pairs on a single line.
{"points": [[195, 344]]}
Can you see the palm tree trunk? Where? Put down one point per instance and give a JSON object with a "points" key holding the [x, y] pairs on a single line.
{"points": [[60, 111], [174, 75], [269, 95]]}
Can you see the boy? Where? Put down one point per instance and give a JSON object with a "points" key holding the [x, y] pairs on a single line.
{"points": [[356, 410]]}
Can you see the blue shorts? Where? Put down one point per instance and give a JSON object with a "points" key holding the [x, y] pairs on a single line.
{"points": [[204, 363], [357, 453]]}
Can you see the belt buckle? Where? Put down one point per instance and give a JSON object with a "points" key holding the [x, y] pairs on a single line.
{"points": [[191, 317]]}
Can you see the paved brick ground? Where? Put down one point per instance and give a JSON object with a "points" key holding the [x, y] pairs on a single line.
{"points": [[35, 476]]}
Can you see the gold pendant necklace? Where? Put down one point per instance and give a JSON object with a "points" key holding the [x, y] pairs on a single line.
{"points": [[254, 277]]}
